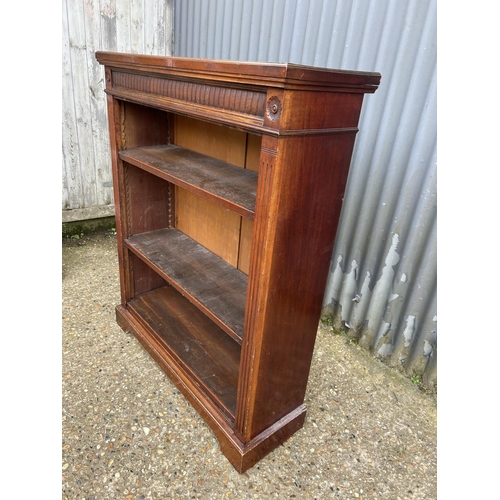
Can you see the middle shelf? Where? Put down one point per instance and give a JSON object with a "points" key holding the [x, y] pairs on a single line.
{"points": [[214, 286]]}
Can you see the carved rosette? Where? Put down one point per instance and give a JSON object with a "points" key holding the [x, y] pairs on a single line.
{"points": [[273, 108]]}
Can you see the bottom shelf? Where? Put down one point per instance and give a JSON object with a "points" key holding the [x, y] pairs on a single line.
{"points": [[203, 362], [202, 349]]}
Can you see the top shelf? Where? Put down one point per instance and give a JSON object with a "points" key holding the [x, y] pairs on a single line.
{"points": [[230, 186]]}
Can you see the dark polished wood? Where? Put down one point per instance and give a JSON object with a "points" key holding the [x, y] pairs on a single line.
{"points": [[216, 180], [203, 349], [212, 284], [238, 347]]}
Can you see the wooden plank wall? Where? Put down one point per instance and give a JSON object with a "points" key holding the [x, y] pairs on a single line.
{"points": [[137, 26]]}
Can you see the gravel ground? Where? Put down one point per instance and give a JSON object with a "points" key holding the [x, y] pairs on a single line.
{"points": [[128, 433]]}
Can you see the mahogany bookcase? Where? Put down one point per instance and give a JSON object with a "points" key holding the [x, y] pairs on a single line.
{"points": [[228, 182]]}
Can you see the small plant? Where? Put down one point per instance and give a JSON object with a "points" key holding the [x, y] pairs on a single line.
{"points": [[327, 321], [415, 379], [340, 333], [77, 236]]}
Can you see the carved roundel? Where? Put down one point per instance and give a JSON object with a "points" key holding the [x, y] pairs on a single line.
{"points": [[273, 108]]}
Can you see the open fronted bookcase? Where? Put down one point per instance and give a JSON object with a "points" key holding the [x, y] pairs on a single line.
{"points": [[228, 181]]}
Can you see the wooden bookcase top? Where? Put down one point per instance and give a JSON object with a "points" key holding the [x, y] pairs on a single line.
{"points": [[281, 75]]}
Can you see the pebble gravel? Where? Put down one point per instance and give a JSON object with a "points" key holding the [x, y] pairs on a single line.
{"points": [[128, 433]]}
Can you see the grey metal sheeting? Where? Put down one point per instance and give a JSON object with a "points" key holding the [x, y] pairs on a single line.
{"points": [[383, 278]]}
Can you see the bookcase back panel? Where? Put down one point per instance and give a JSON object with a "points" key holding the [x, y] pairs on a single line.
{"points": [[254, 145], [223, 232], [215, 227], [219, 142], [245, 245]]}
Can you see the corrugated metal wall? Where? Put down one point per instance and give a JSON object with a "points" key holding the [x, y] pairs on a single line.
{"points": [[382, 285], [137, 26]]}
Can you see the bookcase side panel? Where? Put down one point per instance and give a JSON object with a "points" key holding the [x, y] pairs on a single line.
{"points": [[259, 262], [304, 204], [320, 110], [147, 201], [115, 139], [143, 126]]}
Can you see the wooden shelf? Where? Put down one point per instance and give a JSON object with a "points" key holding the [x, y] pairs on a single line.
{"points": [[196, 343], [214, 286], [229, 186]]}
